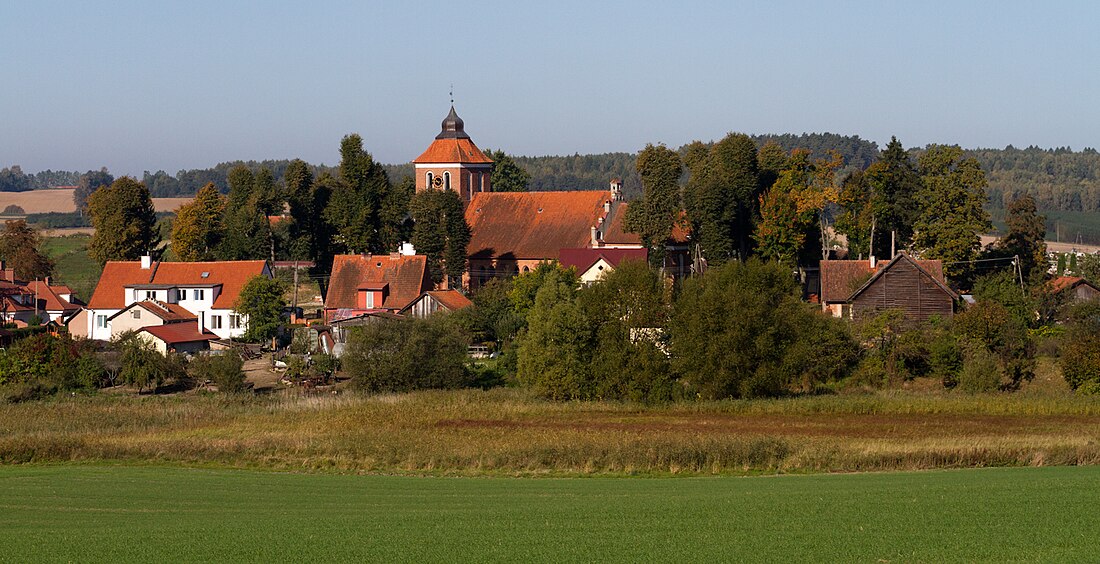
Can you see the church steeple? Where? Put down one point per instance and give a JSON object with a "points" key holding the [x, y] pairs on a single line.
{"points": [[452, 127]]}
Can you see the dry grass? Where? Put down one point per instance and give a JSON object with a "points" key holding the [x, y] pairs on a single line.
{"points": [[508, 432]]}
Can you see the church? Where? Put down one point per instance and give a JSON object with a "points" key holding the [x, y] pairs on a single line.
{"points": [[512, 232]]}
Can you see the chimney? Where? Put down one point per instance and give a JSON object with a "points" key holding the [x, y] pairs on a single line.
{"points": [[607, 206], [595, 237], [9, 274], [874, 263], [146, 262]]}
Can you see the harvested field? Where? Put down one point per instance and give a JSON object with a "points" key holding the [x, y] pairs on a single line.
{"points": [[60, 200], [508, 432]]}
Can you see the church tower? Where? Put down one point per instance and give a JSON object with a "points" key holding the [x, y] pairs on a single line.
{"points": [[453, 162]]}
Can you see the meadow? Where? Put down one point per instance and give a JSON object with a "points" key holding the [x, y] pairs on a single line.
{"points": [[73, 266], [152, 514], [509, 432]]}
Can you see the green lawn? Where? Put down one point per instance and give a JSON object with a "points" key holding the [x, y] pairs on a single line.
{"points": [[105, 513], [73, 266]]}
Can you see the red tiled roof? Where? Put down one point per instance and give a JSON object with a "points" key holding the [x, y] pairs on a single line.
{"points": [[451, 299], [167, 312], [583, 259], [616, 234], [532, 225], [453, 151], [48, 297], [231, 275], [841, 278], [406, 275], [176, 333], [1063, 283]]}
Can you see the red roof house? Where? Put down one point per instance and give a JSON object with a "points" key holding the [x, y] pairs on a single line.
{"points": [[366, 283]]}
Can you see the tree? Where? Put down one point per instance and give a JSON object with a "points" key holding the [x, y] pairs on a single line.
{"points": [[952, 213], [742, 331], [856, 200], [406, 354], [355, 208], [790, 225], [21, 249], [225, 370], [771, 160], [142, 365], [90, 182], [989, 328], [654, 215], [507, 176], [247, 234], [262, 301], [555, 352], [895, 184], [440, 231], [198, 229], [722, 197], [1080, 358], [1025, 238], [124, 220]]}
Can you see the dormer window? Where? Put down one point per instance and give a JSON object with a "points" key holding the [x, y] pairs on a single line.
{"points": [[181, 295], [199, 295], [150, 295]]}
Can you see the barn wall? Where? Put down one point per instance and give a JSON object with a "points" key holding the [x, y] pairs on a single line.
{"points": [[904, 287]]}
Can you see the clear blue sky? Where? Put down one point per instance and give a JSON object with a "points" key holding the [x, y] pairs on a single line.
{"points": [[168, 85]]}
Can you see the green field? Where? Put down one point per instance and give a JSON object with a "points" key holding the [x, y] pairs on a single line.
{"points": [[73, 266], [120, 513]]}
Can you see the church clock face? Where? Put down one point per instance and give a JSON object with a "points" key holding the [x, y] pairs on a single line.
{"points": [[437, 181]]}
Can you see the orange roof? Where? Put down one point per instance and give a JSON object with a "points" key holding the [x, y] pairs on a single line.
{"points": [[616, 234], [1063, 283], [169, 313], [230, 275], [406, 276], [532, 225], [176, 333], [451, 299], [48, 297], [453, 151]]}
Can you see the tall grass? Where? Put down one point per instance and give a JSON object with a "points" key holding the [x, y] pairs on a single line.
{"points": [[505, 431]]}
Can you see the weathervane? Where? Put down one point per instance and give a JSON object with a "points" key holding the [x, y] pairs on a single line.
{"points": [[452, 93]]}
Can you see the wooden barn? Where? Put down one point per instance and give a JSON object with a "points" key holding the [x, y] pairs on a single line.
{"points": [[903, 284]]}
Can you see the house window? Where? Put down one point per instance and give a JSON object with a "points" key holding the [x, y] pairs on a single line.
{"points": [[234, 321], [181, 295], [150, 295], [101, 321], [215, 322], [199, 295], [136, 314], [369, 304]]}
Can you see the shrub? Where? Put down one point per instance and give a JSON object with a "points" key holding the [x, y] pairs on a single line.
{"points": [[995, 328], [406, 354], [981, 371], [143, 366], [44, 364], [13, 209], [225, 370], [1081, 348]]}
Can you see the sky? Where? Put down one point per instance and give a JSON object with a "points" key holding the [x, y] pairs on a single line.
{"points": [[138, 86]]}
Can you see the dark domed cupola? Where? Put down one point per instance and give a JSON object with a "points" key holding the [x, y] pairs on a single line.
{"points": [[452, 127]]}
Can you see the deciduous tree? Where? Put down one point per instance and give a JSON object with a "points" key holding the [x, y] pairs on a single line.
{"points": [[655, 214], [440, 231], [90, 182], [507, 176], [124, 220], [21, 249], [1025, 238], [262, 299], [198, 229], [952, 213]]}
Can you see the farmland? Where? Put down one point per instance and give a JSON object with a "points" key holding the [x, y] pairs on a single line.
{"points": [[119, 513], [60, 200]]}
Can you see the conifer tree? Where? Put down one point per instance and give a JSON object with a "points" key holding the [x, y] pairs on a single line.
{"points": [[1026, 231]]}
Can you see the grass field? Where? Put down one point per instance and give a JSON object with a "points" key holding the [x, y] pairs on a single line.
{"points": [[72, 263], [508, 432], [153, 514]]}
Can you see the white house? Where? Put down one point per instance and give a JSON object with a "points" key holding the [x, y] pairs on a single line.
{"points": [[208, 290]]}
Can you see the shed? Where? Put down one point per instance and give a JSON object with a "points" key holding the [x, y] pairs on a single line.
{"points": [[905, 285]]}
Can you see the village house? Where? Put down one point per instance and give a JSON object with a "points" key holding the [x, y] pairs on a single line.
{"points": [[1074, 288], [436, 300], [207, 291], [21, 301], [854, 289], [594, 264], [367, 284]]}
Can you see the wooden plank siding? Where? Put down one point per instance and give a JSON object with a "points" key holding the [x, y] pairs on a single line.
{"points": [[904, 286]]}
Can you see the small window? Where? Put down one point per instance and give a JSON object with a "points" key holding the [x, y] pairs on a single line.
{"points": [[235, 321], [370, 300], [181, 295], [101, 321], [150, 295], [447, 180], [199, 294], [215, 322], [429, 179], [136, 314]]}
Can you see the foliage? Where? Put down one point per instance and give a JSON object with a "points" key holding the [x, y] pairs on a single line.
{"points": [[743, 331], [507, 176], [21, 249], [555, 352], [525, 287], [124, 221], [142, 365], [857, 213], [895, 188], [1080, 349], [90, 182], [225, 370], [12, 209], [951, 210], [441, 233], [653, 216], [198, 229], [262, 301], [722, 197], [406, 354], [980, 370], [991, 326], [14, 180], [358, 204], [789, 230], [246, 233], [1026, 230], [45, 364]]}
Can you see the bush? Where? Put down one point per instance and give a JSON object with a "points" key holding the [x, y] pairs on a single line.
{"points": [[225, 370], [143, 366], [13, 209], [981, 371], [406, 354], [1002, 334], [1081, 347], [45, 364]]}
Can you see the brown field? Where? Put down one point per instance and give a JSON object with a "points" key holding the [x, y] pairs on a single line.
{"points": [[510, 432], [61, 201]]}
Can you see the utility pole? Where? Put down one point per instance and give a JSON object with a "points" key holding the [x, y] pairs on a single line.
{"points": [[294, 306]]}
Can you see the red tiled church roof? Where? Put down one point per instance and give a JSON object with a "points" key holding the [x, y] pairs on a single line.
{"points": [[231, 275], [407, 277], [616, 234], [532, 225], [462, 151]]}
